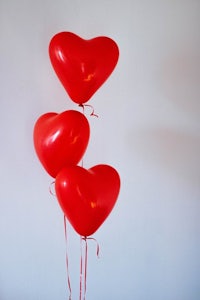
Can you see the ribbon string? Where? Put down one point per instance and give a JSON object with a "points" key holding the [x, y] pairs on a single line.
{"points": [[52, 184], [97, 245], [67, 260], [91, 107], [82, 269], [83, 265]]}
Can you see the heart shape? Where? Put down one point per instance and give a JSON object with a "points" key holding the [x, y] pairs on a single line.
{"points": [[82, 65], [60, 139], [87, 196]]}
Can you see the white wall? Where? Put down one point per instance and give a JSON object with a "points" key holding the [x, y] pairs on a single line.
{"points": [[148, 128]]}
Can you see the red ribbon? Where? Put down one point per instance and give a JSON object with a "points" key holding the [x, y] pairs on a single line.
{"points": [[67, 260], [53, 193], [83, 265], [90, 106]]}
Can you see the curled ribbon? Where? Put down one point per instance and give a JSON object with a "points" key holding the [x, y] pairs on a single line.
{"points": [[90, 106], [52, 184]]}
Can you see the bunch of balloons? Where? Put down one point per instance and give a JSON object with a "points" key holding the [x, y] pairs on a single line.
{"points": [[60, 140]]}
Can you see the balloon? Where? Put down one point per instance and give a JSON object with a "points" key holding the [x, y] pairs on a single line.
{"points": [[87, 196], [82, 65], [61, 139]]}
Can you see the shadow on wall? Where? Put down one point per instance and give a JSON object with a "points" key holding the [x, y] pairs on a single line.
{"points": [[176, 152], [179, 78]]}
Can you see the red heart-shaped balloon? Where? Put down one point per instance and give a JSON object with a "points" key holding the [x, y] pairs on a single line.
{"points": [[82, 65], [61, 139], [87, 196]]}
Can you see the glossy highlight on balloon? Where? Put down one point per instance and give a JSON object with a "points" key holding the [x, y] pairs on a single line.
{"points": [[60, 140], [82, 65], [87, 196]]}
